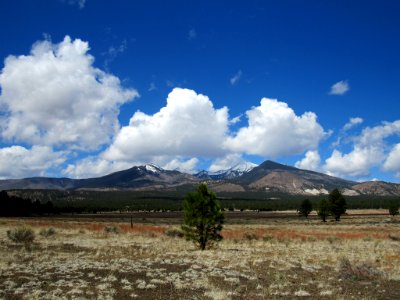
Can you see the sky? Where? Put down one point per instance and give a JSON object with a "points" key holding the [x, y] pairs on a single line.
{"points": [[89, 87]]}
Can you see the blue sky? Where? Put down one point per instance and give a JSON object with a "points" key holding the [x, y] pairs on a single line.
{"points": [[84, 86]]}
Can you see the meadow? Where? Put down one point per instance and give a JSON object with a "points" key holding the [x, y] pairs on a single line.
{"points": [[282, 257]]}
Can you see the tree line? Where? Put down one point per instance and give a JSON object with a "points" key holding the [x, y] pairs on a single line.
{"points": [[32, 202], [336, 206], [13, 206]]}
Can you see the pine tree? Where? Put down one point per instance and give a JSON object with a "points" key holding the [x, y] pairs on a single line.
{"points": [[394, 208], [324, 209], [337, 203], [305, 208], [203, 217]]}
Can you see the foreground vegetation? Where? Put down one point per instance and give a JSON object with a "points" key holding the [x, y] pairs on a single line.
{"points": [[355, 258]]}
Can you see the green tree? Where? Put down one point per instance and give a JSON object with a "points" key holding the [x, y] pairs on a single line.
{"points": [[203, 218], [305, 208], [394, 208], [324, 209], [337, 203]]}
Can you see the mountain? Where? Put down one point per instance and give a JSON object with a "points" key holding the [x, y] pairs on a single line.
{"points": [[272, 176], [138, 178], [231, 173], [269, 177], [38, 183]]}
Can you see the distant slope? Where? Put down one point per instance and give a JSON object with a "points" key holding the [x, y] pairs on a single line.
{"points": [[378, 188], [269, 177], [38, 183]]}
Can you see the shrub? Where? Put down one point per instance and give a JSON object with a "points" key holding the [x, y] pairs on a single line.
{"points": [[111, 229], [47, 232], [394, 237], [312, 239], [175, 233], [268, 238], [368, 239], [250, 236], [22, 235], [332, 239], [360, 271], [150, 234]]}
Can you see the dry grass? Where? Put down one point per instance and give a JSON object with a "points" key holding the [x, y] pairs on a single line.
{"points": [[282, 259]]}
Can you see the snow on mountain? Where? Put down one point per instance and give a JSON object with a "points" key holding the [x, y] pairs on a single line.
{"points": [[230, 173], [152, 168], [244, 167]]}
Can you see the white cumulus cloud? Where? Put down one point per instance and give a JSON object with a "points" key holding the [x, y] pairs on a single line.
{"points": [[55, 97], [182, 165], [377, 134], [93, 166], [352, 122], [274, 130], [356, 163], [187, 126], [392, 162], [311, 161], [20, 162], [231, 160], [369, 150], [340, 88]]}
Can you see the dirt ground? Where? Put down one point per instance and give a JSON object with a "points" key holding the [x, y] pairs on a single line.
{"points": [[282, 258]]}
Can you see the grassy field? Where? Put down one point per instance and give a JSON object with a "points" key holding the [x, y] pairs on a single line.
{"points": [[284, 258]]}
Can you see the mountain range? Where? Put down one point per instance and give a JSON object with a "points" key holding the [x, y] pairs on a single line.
{"points": [[267, 177]]}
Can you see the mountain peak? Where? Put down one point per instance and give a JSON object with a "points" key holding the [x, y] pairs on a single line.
{"points": [[243, 167], [271, 165], [153, 168]]}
